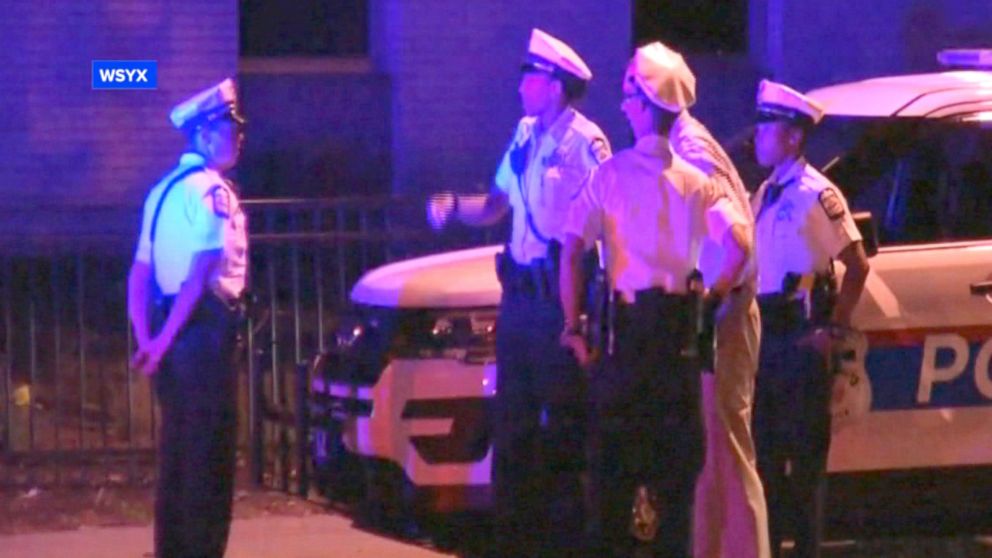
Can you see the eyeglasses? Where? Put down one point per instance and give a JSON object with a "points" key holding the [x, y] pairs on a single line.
{"points": [[636, 95]]}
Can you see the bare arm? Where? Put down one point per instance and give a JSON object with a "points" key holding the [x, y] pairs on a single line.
{"points": [[571, 280], [737, 247], [475, 210], [855, 274], [570, 284], [482, 210], [185, 303], [138, 281]]}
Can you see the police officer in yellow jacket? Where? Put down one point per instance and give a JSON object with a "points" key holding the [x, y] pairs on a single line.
{"points": [[538, 424], [803, 225], [190, 264], [652, 211]]}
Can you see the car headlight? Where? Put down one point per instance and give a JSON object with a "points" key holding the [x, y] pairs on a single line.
{"points": [[467, 335]]}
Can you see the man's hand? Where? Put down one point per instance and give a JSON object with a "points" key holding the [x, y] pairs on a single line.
{"points": [[148, 358], [440, 208], [577, 344], [822, 339]]}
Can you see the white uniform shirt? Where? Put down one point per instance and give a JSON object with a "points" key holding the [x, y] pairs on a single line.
{"points": [[201, 212], [693, 142], [557, 162], [801, 231], [653, 210]]}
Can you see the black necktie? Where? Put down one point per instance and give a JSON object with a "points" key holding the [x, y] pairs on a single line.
{"points": [[772, 193]]}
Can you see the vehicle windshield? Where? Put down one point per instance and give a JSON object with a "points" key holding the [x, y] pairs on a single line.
{"points": [[923, 180]]}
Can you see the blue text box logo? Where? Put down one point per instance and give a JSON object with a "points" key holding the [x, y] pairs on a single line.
{"points": [[125, 74]]}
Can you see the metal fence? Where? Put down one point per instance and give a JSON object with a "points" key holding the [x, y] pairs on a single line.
{"points": [[74, 413]]}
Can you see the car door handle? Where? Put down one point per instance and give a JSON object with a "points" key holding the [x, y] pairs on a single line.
{"points": [[981, 288]]}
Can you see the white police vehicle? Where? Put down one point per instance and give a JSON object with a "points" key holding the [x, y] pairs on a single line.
{"points": [[411, 385]]}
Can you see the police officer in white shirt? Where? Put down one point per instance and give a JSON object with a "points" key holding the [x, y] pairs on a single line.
{"points": [[190, 266], [803, 224], [652, 210], [538, 427], [730, 515]]}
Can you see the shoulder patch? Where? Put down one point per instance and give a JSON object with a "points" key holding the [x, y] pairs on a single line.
{"points": [[831, 204], [599, 149], [221, 201]]}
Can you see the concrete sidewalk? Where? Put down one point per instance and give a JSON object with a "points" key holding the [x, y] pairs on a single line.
{"points": [[315, 536]]}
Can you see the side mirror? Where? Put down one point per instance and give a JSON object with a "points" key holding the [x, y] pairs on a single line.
{"points": [[869, 233]]}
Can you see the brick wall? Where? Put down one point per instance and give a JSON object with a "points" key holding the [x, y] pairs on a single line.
{"points": [[61, 143], [319, 133], [454, 67]]}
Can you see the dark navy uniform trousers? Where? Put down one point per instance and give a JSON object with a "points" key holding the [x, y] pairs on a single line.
{"points": [[538, 426], [196, 388], [791, 427], [649, 424]]}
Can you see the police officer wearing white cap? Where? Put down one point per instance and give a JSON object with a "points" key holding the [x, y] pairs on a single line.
{"points": [[190, 265], [803, 224], [730, 512], [653, 210], [538, 424]]}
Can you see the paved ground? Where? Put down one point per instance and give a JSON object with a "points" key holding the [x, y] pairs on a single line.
{"points": [[316, 536], [326, 536]]}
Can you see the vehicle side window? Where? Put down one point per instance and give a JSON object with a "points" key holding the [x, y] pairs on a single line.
{"points": [[923, 182]]}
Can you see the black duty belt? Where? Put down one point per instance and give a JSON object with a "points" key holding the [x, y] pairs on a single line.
{"points": [[538, 279], [782, 312], [165, 302]]}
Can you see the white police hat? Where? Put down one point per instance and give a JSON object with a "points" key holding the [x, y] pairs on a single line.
{"points": [[206, 106], [781, 102], [663, 76], [548, 54]]}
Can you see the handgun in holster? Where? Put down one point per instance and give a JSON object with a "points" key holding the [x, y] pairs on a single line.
{"points": [[695, 291], [600, 301], [823, 297]]}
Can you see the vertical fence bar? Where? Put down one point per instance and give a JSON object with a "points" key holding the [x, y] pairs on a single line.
{"points": [[284, 447], [387, 227], [297, 348], [254, 406], [32, 351], [318, 278], [339, 227], [129, 390], [56, 280], [363, 225], [273, 328], [100, 318], [302, 428], [81, 336], [297, 321], [9, 372]]}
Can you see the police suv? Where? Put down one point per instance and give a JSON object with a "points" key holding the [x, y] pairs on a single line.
{"points": [[410, 381]]}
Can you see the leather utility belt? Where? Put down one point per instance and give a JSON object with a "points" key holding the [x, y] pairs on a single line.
{"points": [[696, 332], [210, 298], [804, 299], [537, 280]]}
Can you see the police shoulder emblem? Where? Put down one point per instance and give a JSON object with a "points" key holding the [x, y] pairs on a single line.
{"points": [[599, 150], [220, 198], [831, 204]]}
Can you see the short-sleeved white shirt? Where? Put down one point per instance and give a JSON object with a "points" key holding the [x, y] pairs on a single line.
{"points": [[557, 162], [653, 210], [200, 212], [801, 231]]}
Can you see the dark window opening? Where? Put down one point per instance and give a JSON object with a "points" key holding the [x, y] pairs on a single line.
{"points": [[304, 27], [703, 26]]}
